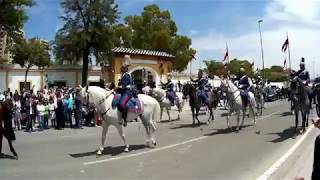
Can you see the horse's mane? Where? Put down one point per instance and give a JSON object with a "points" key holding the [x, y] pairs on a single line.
{"points": [[98, 91], [158, 92], [232, 86]]}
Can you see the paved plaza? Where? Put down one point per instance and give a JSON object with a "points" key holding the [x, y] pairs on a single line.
{"points": [[183, 151]]}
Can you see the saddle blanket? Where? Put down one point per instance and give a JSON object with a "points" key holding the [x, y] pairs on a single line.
{"points": [[134, 105]]}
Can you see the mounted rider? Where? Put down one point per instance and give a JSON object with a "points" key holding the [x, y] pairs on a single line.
{"points": [[126, 89], [302, 74], [259, 81], [244, 85], [170, 94], [202, 83]]}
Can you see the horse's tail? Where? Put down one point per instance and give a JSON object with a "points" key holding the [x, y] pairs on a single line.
{"points": [[156, 112]]}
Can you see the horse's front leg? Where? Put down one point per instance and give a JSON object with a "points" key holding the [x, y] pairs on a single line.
{"points": [[121, 133], [297, 120], [244, 112], [228, 117], [197, 114], [168, 113], [161, 111], [105, 128], [193, 121]]}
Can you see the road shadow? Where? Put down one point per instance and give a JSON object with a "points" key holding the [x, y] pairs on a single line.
{"points": [[284, 114], [179, 126], [284, 135], [113, 151], [7, 156], [225, 131], [167, 121]]}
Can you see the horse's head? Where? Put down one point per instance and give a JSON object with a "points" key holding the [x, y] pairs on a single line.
{"points": [[84, 95], [187, 90], [146, 90]]}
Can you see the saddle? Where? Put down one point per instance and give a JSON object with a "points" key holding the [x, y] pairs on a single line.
{"points": [[245, 97], [134, 104]]}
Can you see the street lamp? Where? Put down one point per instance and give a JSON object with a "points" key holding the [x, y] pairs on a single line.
{"points": [[262, 56]]}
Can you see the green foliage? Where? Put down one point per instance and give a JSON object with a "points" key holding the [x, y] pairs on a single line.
{"points": [[275, 74], [218, 68], [235, 65], [28, 53], [215, 68], [13, 15], [87, 31], [155, 30]]}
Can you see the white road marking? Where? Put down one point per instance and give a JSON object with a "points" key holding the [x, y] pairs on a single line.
{"points": [[159, 149], [278, 163], [145, 152]]}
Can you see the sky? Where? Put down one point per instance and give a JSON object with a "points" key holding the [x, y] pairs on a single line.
{"points": [[213, 23]]}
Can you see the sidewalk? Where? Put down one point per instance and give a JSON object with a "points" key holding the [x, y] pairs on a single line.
{"points": [[299, 164]]}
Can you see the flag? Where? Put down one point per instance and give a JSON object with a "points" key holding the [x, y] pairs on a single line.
{"points": [[285, 45], [226, 55]]}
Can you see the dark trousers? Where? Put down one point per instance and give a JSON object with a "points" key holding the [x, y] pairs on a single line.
{"points": [[9, 142], [29, 122], [316, 160], [78, 118]]}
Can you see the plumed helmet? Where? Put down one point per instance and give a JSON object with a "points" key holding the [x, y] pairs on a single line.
{"points": [[302, 61]]}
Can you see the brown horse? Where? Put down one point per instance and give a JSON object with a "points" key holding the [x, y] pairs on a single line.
{"points": [[6, 126]]}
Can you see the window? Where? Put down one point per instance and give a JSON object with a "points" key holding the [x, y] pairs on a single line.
{"points": [[21, 85], [60, 84]]}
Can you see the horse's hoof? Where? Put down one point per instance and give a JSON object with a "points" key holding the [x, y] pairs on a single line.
{"points": [[126, 149], [154, 143], [99, 153]]}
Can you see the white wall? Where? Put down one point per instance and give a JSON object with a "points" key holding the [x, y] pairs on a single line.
{"points": [[16, 77], [94, 78], [2, 81], [69, 77]]}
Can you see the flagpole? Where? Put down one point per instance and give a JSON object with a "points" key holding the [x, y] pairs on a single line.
{"points": [[228, 60], [289, 52], [262, 54]]}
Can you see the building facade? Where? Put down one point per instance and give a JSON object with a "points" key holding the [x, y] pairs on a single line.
{"points": [[145, 66]]}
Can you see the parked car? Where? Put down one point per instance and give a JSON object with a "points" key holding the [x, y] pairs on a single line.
{"points": [[271, 95]]}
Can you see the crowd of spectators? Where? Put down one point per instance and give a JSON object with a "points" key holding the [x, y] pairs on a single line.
{"points": [[48, 108]]}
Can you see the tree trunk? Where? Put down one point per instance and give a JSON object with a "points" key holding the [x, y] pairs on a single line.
{"points": [[25, 78], [85, 64]]}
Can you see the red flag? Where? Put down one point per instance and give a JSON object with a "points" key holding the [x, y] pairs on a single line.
{"points": [[226, 55], [285, 45]]}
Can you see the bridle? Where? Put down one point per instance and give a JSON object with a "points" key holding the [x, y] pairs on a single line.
{"points": [[101, 101]]}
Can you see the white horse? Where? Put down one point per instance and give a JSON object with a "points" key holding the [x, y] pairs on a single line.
{"points": [[102, 100], [160, 95], [236, 105]]}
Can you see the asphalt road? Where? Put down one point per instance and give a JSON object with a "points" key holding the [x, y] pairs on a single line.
{"points": [[183, 151]]}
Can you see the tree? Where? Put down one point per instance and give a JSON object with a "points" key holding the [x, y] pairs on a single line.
{"points": [[215, 68], [87, 32], [235, 65], [13, 15], [155, 30], [275, 74], [29, 53]]}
